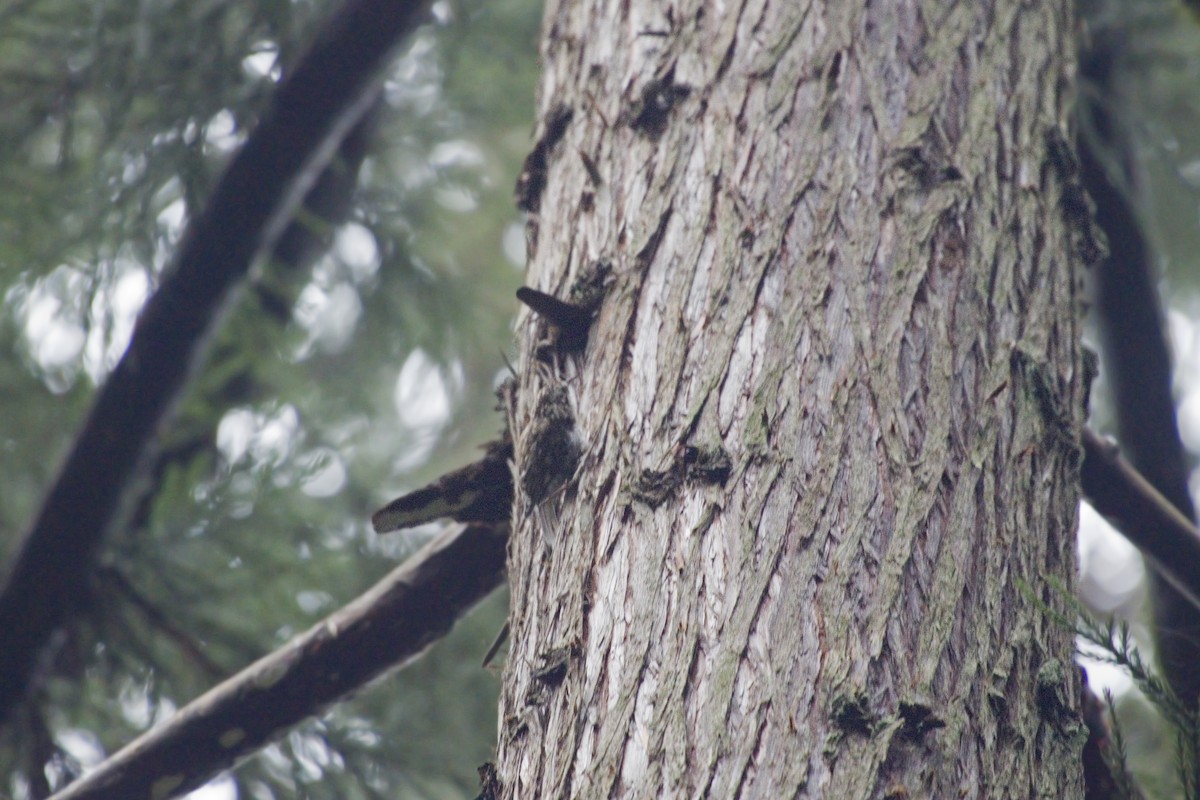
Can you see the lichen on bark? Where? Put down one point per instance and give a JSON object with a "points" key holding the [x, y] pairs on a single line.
{"points": [[830, 228]]}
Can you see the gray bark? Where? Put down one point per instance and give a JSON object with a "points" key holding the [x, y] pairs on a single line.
{"points": [[829, 408]]}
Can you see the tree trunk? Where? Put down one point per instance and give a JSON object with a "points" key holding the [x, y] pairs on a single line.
{"points": [[829, 407]]}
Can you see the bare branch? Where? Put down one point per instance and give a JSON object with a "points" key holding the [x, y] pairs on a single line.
{"points": [[1147, 519], [385, 628], [479, 492]]}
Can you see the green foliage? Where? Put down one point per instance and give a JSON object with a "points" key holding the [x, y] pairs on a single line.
{"points": [[1157, 714], [1116, 646], [1113, 643], [115, 120], [1117, 757]]}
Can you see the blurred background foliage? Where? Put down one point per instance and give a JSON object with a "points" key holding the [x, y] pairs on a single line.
{"points": [[326, 393], [1153, 49]]}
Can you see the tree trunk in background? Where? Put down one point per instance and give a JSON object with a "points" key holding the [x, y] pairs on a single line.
{"points": [[829, 407]]}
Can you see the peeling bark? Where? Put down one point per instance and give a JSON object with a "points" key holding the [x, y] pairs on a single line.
{"points": [[829, 406]]}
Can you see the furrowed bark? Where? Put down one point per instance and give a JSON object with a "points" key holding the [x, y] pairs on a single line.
{"points": [[830, 406]]}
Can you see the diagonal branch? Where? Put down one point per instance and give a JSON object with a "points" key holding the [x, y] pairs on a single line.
{"points": [[1164, 536], [314, 108], [385, 628]]}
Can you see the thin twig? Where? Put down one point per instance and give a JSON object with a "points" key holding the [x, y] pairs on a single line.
{"points": [[159, 620]]}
